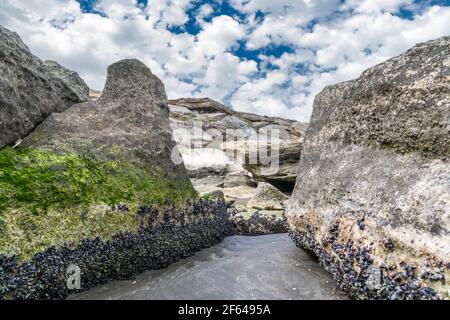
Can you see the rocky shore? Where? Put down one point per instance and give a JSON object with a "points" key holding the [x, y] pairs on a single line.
{"points": [[91, 185], [106, 183], [222, 148], [216, 144], [125, 255]]}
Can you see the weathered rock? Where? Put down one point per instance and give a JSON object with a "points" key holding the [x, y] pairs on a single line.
{"points": [[372, 198], [283, 173], [202, 105], [116, 150], [267, 197], [126, 120], [95, 187], [71, 78], [206, 162], [257, 223], [29, 92]]}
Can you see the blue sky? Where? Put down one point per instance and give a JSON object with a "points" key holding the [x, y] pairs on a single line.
{"points": [[261, 56]]}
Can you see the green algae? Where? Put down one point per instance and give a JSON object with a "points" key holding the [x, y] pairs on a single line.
{"points": [[47, 198]]}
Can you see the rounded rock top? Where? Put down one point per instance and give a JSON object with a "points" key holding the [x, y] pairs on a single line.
{"points": [[132, 79]]}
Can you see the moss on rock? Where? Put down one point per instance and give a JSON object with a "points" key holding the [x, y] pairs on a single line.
{"points": [[48, 198]]}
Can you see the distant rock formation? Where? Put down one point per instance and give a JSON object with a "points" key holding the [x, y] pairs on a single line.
{"points": [[213, 156], [71, 78], [95, 187], [203, 129], [29, 91], [372, 198]]}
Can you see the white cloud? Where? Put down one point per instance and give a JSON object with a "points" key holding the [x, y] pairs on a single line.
{"points": [[335, 50], [373, 6], [219, 35], [330, 42]]}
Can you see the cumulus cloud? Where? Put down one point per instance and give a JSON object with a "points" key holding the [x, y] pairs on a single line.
{"points": [[360, 34], [228, 56]]}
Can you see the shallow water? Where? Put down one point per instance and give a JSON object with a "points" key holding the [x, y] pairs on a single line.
{"points": [[264, 267]]}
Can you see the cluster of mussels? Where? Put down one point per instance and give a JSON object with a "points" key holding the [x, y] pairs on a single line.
{"points": [[156, 245], [353, 270], [258, 224]]}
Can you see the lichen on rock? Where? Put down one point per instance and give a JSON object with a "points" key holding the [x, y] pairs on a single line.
{"points": [[372, 191]]}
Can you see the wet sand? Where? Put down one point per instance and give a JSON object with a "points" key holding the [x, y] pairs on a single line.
{"points": [[264, 267]]}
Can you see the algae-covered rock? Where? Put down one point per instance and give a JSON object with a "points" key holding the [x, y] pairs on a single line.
{"points": [[372, 198], [62, 182], [29, 91], [95, 188]]}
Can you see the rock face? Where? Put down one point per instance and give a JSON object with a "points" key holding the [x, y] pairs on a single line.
{"points": [[95, 187], [70, 78], [29, 91], [372, 198]]}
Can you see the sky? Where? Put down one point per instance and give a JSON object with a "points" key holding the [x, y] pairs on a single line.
{"points": [[261, 56]]}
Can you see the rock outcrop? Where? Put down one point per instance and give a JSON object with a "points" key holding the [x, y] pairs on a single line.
{"points": [[71, 78], [95, 187], [256, 223], [372, 197], [29, 91], [214, 141]]}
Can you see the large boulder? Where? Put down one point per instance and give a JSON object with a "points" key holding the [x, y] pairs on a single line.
{"points": [[29, 92], [372, 197], [71, 78], [97, 186]]}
